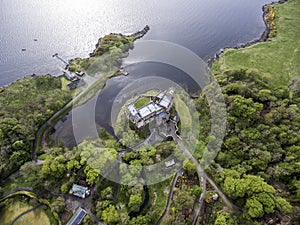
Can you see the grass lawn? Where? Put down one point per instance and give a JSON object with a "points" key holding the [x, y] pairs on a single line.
{"points": [[64, 83], [15, 208], [35, 217], [279, 57], [183, 112], [141, 102]]}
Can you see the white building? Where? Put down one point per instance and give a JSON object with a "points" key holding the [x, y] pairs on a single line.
{"points": [[147, 113], [79, 191], [170, 163]]}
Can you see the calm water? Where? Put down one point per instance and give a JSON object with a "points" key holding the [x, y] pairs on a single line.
{"points": [[72, 28], [101, 106]]}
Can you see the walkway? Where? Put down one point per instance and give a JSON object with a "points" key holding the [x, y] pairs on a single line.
{"points": [[178, 174], [24, 213], [42, 130], [200, 203], [16, 190], [201, 173]]}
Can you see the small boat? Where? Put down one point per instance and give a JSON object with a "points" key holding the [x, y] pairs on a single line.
{"points": [[123, 72], [23, 49], [35, 39]]}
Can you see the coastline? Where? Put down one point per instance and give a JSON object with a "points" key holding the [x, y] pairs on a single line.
{"points": [[135, 36], [104, 45], [96, 85], [263, 38]]}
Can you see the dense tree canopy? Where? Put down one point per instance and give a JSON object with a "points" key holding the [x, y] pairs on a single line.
{"points": [[261, 146], [25, 106]]}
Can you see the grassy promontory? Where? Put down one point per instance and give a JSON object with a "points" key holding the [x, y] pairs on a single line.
{"points": [[277, 58], [108, 53]]}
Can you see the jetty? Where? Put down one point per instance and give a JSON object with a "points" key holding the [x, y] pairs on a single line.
{"points": [[61, 59]]}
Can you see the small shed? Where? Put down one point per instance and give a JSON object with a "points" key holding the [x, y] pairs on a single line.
{"points": [[170, 163]]}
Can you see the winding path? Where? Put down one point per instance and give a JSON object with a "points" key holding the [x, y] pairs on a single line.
{"points": [[201, 173], [41, 131], [16, 190], [200, 202], [178, 174], [24, 213]]}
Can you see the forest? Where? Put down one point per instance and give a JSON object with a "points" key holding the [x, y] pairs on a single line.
{"points": [[25, 105], [258, 165]]}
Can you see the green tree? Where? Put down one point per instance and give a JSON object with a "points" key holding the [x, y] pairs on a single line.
{"points": [[110, 215], [140, 220], [283, 205], [64, 188], [73, 164], [245, 108], [224, 218], [88, 221], [129, 138], [267, 200], [196, 190], [135, 201], [58, 205], [106, 193], [190, 168], [91, 175], [254, 208]]}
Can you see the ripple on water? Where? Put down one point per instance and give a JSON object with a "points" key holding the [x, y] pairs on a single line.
{"points": [[72, 27]]}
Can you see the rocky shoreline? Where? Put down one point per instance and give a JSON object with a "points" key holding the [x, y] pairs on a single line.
{"points": [[263, 38]]}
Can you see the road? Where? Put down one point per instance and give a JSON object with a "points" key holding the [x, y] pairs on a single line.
{"points": [[202, 173]]}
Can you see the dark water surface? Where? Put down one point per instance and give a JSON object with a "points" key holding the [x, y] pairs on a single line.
{"points": [[100, 107], [72, 28]]}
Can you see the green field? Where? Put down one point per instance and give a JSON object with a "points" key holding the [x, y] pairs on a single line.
{"points": [[278, 58], [141, 102], [15, 208], [183, 112]]}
